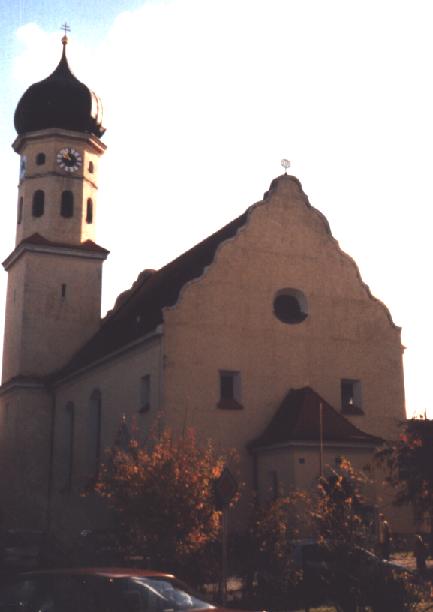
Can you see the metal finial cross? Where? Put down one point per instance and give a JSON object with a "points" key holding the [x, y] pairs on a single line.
{"points": [[286, 164], [66, 28]]}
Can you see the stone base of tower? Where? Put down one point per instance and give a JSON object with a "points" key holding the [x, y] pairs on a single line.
{"points": [[25, 454]]}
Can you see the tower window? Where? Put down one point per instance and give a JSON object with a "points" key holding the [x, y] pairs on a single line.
{"points": [[89, 211], [67, 204], [20, 210], [38, 203], [91, 167], [351, 399], [230, 390], [40, 159], [63, 290]]}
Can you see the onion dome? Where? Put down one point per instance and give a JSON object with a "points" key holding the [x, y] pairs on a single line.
{"points": [[59, 101]]}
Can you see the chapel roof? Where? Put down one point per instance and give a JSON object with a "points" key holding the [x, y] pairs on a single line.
{"points": [[298, 419], [59, 101]]}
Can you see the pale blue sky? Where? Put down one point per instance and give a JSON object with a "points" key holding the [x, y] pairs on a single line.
{"points": [[207, 96]]}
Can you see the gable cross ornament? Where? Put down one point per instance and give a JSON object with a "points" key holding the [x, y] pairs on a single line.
{"points": [[286, 164]]}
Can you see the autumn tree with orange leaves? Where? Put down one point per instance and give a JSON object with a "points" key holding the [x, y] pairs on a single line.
{"points": [[162, 494]]}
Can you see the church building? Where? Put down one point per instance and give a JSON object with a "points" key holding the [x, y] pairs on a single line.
{"points": [[262, 337]]}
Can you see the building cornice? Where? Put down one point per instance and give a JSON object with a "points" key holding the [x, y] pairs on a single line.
{"points": [[315, 444], [52, 133], [22, 382], [52, 249], [38, 175]]}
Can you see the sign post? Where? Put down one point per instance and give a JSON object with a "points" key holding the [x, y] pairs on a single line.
{"points": [[225, 488]]}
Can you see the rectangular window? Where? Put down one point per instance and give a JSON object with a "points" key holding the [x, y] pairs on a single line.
{"points": [[351, 400], [145, 393], [230, 389], [63, 290]]}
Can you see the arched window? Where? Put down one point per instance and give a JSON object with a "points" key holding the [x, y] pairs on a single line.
{"points": [[94, 426], [67, 204], [89, 211], [91, 167], [69, 418], [40, 159], [20, 210], [38, 204]]}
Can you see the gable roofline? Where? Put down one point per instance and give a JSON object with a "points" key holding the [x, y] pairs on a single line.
{"points": [[139, 310]]}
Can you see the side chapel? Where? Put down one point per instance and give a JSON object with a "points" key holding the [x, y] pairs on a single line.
{"points": [[262, 337]]}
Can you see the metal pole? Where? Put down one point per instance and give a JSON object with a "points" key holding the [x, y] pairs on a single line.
{"points": [[321, 437], [224, 555]]}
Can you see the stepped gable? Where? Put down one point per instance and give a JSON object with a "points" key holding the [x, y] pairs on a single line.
{"points": [[139, 310], [298, 419]]}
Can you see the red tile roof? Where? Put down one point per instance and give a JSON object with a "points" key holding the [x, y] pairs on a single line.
{"points": [[298, 419]]}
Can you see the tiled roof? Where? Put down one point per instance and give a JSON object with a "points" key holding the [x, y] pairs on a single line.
{"points": [[139, 310], [88, 245], [298, 419]]}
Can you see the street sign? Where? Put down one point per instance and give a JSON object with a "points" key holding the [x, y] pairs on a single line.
{"points": [[225, 488]]}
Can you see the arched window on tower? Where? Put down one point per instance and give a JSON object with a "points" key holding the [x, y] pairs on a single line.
{"points": [[40, 159], [89, 211], [38, 203], [20, 210], [94, 426], [67, 204]]}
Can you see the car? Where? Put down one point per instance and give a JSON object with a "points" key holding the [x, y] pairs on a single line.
{"points": [[21, 549], [348, 576], [98, 590]]}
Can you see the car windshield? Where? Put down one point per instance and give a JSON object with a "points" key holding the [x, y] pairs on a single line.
{"points": [[51, 592]]}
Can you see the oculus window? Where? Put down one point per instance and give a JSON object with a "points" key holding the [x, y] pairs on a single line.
{"points": [[290, 306]]}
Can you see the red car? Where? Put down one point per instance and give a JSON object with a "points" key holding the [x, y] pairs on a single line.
{"points": [[98, 590]]}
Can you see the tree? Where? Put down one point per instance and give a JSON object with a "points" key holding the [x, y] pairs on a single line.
{"points": [[162, 495], [340, 511], [410, 467]]}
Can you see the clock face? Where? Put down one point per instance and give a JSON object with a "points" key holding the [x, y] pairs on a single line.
{"points": [[23, 166], [69, 159]]}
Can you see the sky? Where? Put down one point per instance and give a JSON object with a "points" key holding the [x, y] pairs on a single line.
{"points": [[203, 98]]}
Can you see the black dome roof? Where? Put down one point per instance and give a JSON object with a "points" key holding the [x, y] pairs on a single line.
{"points": [[59, 101]]}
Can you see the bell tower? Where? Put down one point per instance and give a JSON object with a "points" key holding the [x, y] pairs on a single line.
{"points": [[53, 303], [54, 273]]}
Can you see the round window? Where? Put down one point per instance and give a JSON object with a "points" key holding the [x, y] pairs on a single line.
{"points": [[290, 306]]}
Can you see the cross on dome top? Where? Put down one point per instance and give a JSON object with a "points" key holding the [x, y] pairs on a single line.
{"points": [[65, 27]]}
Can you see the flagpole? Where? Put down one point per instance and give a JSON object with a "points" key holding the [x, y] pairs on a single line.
{"points": [[321, 437]]}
